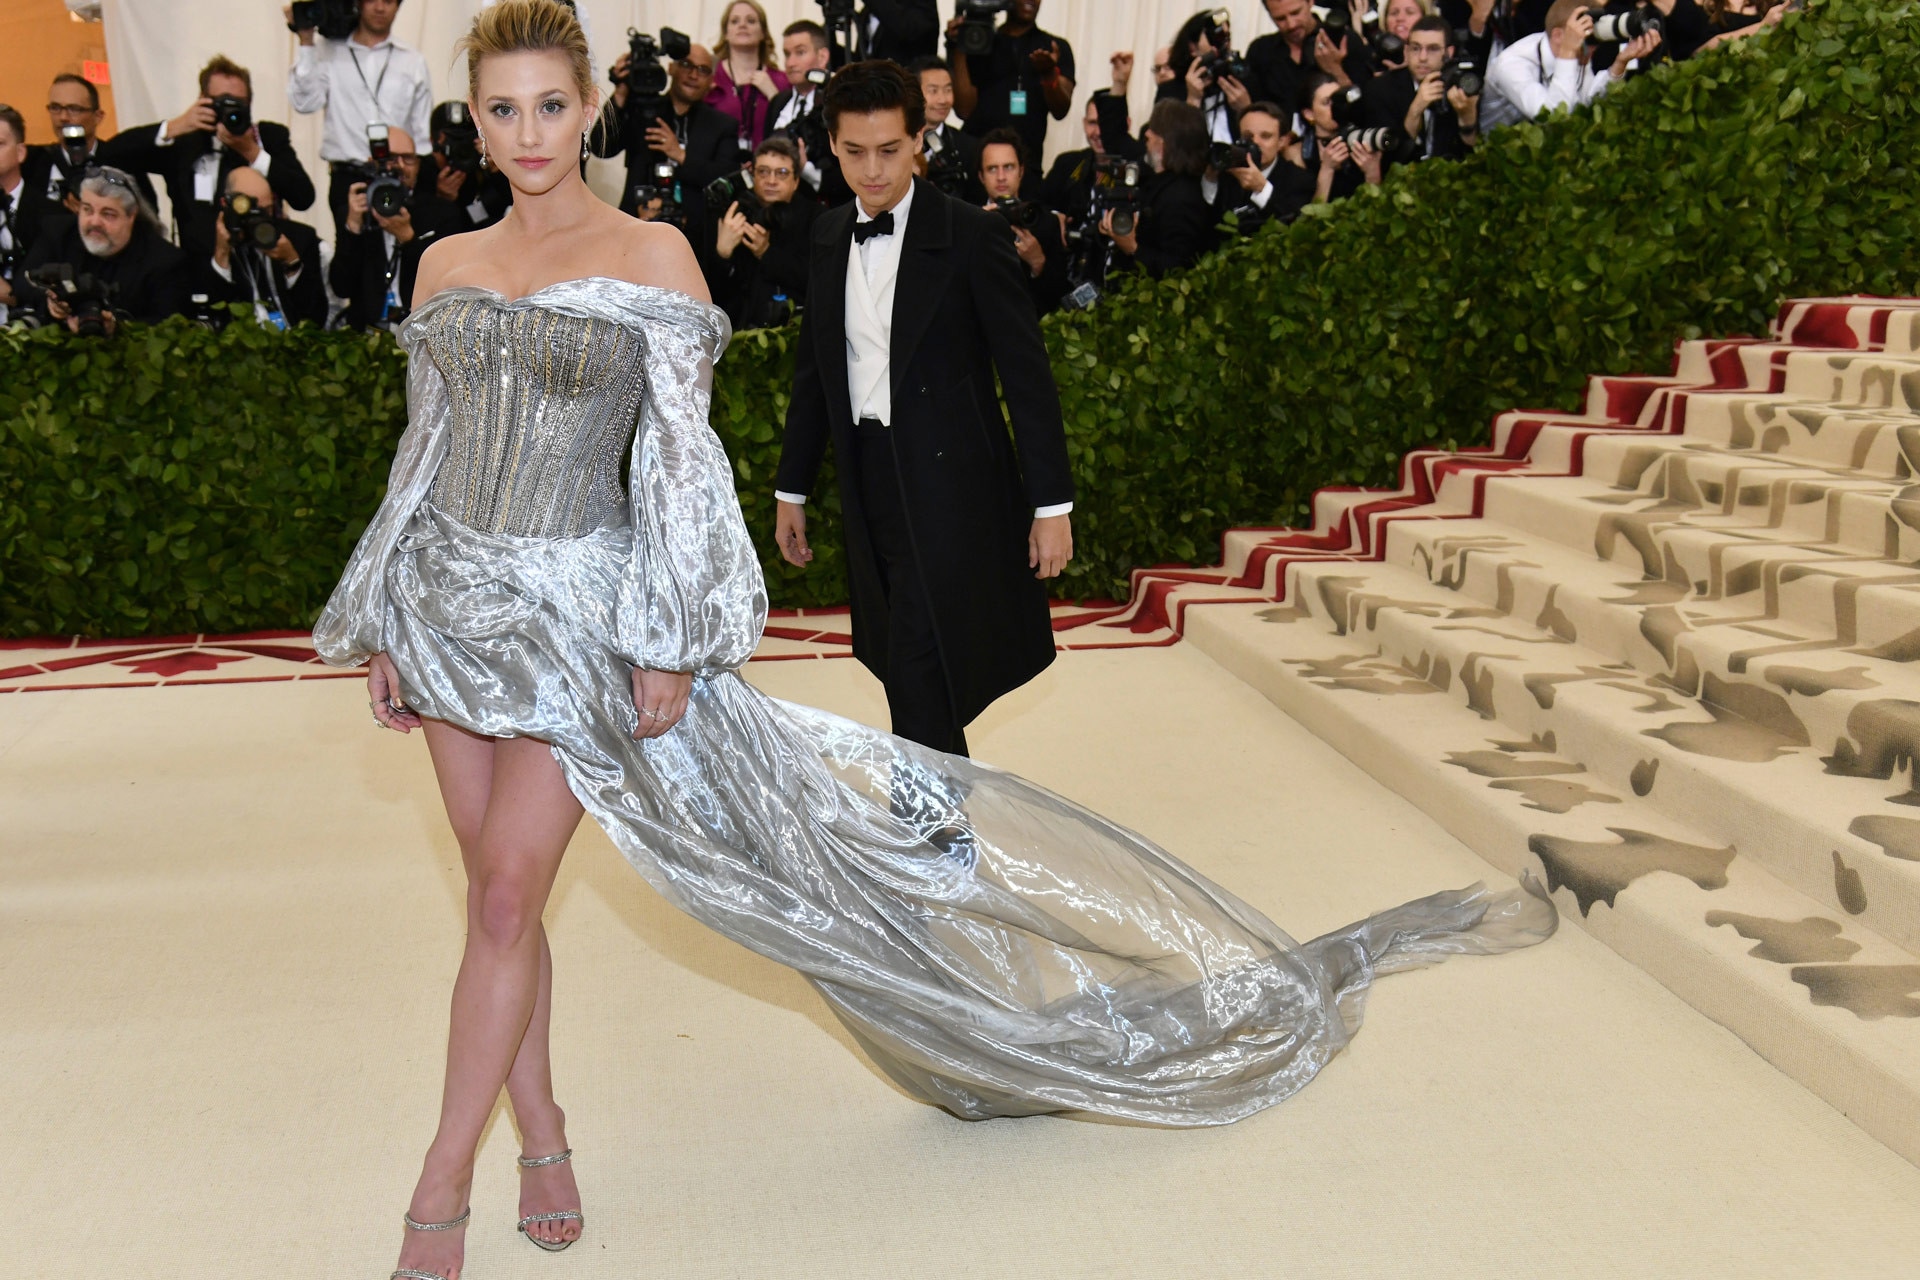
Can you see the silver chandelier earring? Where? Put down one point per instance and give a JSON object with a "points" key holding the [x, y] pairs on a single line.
{"points": [[484, 162], [585, 149]]}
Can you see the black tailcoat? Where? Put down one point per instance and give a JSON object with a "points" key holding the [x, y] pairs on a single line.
{"points": [[961, 311]]}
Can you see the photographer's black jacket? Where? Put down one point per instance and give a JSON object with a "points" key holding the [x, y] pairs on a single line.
{"points": [[1068, 186], [362, 267], [961, 314], [1276, 76], [1003, 72], [483, 200], [149, 277], [35, 213], [138, 151], [1384, 103], [48, 160], [303, 298], [833, 189], [1176, 225], [1293, 187], [743, 285], [968, 148], [909, 29], [713, 151]]}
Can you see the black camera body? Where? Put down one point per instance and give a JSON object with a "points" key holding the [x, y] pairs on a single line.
{"points": [[334, 19], [975, 37], [73, 159], [662, 184], [810, 130], [248, 222], [1221, 62], [459, 140], [84, 294], [1116, 190], [734, 188], [387, 188], [1462, 71], [1024, 214], [231, 113], [1337, 18], [947, 170], [1225, 156], [647, 80]]}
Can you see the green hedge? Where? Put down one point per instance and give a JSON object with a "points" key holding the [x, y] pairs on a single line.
{"points": [[177, 480]]}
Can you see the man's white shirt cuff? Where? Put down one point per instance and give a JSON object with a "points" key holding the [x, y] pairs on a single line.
{"points": [[797, 499], [1057, 509]]}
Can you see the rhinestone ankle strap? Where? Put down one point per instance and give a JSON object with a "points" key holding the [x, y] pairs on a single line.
{"points": [[561, 1158]]}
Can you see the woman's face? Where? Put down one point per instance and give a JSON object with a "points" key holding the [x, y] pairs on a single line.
{"points": [[531, 113], [1401, 15], [743, 27]]}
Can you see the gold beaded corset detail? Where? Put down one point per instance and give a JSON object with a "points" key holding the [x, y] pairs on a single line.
{"points": [[543, 408]]}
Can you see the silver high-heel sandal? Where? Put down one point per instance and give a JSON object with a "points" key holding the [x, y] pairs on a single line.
{"points": [[409, 1273], [558, 1215]]}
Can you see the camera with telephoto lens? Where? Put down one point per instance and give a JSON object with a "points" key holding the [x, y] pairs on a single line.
{"points": [[1024, 214], [84, 294], [947, 170], [1462, 72], [975, 37], [1621, 28], [646, 79], [1381, 139], [1225, 156], [248, 222], [736, 188], [232, 114], [1116, 190], [1388, 47], [663, 184], [334, 19]]}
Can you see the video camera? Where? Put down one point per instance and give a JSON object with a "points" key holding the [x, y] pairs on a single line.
{"points": [[736, 188], [248, 222], [646, 79], [975, 37], [334, 19], [387, 187], [87, 296], [1620, 28]]}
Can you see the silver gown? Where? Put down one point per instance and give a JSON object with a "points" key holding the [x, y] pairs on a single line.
{"points": [[560, 510]]}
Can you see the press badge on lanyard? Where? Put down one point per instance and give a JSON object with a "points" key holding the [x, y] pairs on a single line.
{"points": [[1017, 102]]}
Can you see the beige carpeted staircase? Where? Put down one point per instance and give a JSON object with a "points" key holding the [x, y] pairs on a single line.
{"points": [[1661, 655]]}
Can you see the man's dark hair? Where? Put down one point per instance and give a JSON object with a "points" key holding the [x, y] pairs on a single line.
{"points": [[93, 90], [1182, 130], [1309, 87], [12, 119], [871, 87], [931, 62], [222, 65], [1003, 137], [808, 27], [777, 146], [1270, 109], [1434, 22]]}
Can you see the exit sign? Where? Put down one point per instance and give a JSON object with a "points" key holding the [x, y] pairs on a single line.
{"points": [[95, 73]]}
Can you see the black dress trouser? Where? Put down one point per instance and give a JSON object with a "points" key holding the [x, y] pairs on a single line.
{"points": [[917, 692]]}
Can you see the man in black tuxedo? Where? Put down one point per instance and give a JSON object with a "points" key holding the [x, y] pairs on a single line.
{"points": [[701, 142], [1438, 123], [900, 30], [949, 159], [195, 151], [23, 211], [73, 102], [795, 112], [281, 280], [916, 301]]}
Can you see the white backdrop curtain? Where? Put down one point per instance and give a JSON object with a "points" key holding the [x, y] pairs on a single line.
{"points": [[156, 48]]}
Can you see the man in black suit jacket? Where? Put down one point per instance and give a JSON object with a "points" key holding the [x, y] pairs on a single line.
{"points": [[113, 239], [901, 30], [20, 213], [701, 142], [795, 112], [950, 159], [760, 264], [1438, 123], [376, 258], [73, 102], [282, 280], [1276, 185], [196, 150], [916, 301]]}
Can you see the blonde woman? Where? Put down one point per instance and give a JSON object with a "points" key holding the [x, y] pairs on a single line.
{"points": [[746, 82], [558, 591]]}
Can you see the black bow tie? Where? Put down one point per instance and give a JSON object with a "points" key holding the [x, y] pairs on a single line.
{"points": [[880, 226]]}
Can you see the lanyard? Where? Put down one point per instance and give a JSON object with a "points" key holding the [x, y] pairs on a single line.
{"points": [[373, 89]]}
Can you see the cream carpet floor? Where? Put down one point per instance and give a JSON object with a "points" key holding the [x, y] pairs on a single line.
{"points": [[230, 917]]}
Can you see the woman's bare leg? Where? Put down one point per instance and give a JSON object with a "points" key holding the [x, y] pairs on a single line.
{"points": [[528, 818]]}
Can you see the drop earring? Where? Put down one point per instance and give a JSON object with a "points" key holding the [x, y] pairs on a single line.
{"points": [[485, 163], [585, 149]]}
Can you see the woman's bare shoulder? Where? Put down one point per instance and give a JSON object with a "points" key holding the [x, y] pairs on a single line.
{"points": [[657, 254], [448, 262]]}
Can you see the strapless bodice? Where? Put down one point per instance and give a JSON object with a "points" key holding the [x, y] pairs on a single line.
{"points": [[543, 406]]}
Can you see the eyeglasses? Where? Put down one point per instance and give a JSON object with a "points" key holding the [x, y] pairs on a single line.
{"points": [[108, 177], [761, 171], [62, 109]]}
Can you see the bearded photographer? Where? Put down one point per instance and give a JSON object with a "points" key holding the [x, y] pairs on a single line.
{"points": [[1554, 68], [1439, 122], [698, 141], [377, 253], [263, 258], [1036, 231], [1025, 77], [195, 151], [1175, 225], [1276, 184], [1281, 62], [761, 252], [1339, 169], [114, 239]]}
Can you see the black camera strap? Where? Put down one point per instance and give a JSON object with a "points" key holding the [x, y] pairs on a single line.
{"points": [[373, 89]]}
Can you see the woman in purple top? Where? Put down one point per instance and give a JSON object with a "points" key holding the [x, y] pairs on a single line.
{"points": [[745, 81]]}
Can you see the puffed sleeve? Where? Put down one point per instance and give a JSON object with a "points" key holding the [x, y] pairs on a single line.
{"points": [[693, 598], [353, 626]]}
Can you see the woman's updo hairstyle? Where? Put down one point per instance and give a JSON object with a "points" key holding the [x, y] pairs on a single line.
{"points": [[527, 26]]}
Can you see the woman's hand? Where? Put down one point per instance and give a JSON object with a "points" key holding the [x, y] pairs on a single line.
{"points": [[661, 699], [733, 229], [383, 694], [764, 83]]}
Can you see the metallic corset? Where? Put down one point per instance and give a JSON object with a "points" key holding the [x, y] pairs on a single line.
{"points": [[543, 411]]}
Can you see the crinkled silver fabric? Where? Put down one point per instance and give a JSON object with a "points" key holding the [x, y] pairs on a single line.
{"points": [[997, 949]]}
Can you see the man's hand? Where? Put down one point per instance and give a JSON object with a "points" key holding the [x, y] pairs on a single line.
{"points": [[1465, 109], [1638, 47], [1122, 65], [618, 74], [759, 240], [733, 229], [6, 293], [197, 118], [245, 145], [1331, 56], [1239, 97], [790, 533], [1196, 83], [661, 138], [659, 699], [651, 210], [399, 226], [1127, 244], [1249, 177], [1028, 247], [357, 208], [1570, 41], [284, 253], [304, 33], [1046, 61], [1430, 91], [1050, 546], [448, 181], [222, 244]]}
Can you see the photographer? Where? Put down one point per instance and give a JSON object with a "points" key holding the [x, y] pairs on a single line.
{"points": [[377, 254], [263, 258], [1197, 51], [761, 247], [1339, 169], [1025, 77], [465, 196], [898, 30], [1440, 122], [1554, 68], [55, 168], [193, 153], [949, 159], [1036, 231], [21, 212], [1281, 62], [363, 79], [1277, 184], [1070, 181], [700, 143], [1176, 224], [113, 243], [796, 113]]}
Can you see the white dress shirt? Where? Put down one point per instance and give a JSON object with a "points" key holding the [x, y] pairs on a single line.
{"points": [[1527, 78], [357, 86], [873, 269], [206, 170], [7, 241], [796, 109]]}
